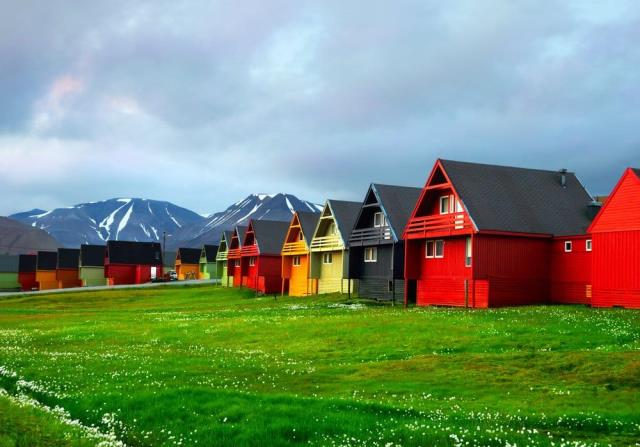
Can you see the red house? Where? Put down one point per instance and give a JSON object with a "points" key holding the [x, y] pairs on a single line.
{"points": [[132, 262], [483, 235], [261, 259], [234, 255], [616, 246], [67, 270], [27, 272]]}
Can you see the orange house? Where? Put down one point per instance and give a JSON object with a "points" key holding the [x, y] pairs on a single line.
{"points": [[67, 270], [296, 268], [188, 263], [46, 274]]}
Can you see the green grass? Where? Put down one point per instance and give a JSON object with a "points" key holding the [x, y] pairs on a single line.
{"points": [[211, 366]]}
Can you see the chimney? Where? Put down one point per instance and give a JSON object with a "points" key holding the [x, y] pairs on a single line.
{"points": [[563, 177], [593, 209]]}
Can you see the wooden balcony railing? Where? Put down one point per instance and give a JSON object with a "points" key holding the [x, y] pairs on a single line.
{"points": [[440, 225], [294, 248], [250, 250], [222, 256], [234, 253], [327, 243], [379, 235]]}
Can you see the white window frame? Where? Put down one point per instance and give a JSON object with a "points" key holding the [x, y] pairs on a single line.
{"points": [[435, 252], [371, 254], [433, 249], [588, 245], [296, 261], [568, 246], [468, 252], [445, 210], [327, 258], [236, 263], [383, 221], [252, 261]]}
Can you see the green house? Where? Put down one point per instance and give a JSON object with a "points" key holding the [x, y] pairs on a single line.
{"points": [[208, 263], [9, 277], [329, 252], [221, 259], [91, 271]]}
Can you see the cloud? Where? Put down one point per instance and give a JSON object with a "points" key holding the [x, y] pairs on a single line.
{"points": [[203, 102]]}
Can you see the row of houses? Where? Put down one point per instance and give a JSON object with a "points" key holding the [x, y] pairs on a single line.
{"points": [[475, 235]]}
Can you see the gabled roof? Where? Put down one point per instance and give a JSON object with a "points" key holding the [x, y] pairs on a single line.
{"points": [[137, 253], [169, 258], [520, 200], [9, 263], [189, 255], [92, 255], [227, 235], [27, 263], [397, 203], [269, 235], [344, 214], [210, 252], [68, 258], [308, 222], [47, 260]]}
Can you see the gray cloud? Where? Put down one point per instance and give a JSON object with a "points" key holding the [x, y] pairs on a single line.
{"points": [[202, 102]]}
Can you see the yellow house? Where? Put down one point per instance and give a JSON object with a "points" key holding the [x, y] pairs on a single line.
{"points": [[329, 254], [296, 266]]}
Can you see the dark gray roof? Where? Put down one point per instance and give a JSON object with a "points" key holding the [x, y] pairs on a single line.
{"points": [[521, 200], [47, 260], [308, 222], [270, 235], [137, 253], [345, 215], [398, 203], [68, 258], [169, 258], [92, 255], [242, 231], [189, 255], [9, 263], [28, 263], [210, 252], [227, 234]]}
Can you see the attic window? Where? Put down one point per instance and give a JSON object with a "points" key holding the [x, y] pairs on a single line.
{"points": [[379, 220], [296, 261], [444, 205], [568, 246], [252, 261], [236, 263], [588, 245]]}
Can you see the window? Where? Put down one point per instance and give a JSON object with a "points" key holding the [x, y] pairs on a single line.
{"points": [[458, 206], [252, 261], [333, 229], [568, 246], [379, 220], [327, 258], [430, 252], [296, 261], [588, 245], [468, 253], [236, 263], [444, 205], [371, 254], [300, 236], [439, 249]]}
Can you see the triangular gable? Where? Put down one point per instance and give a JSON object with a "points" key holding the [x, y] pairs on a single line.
{"points": [[250, 237], [372, 199], [235, 240], [295, 231], [621, 211]]}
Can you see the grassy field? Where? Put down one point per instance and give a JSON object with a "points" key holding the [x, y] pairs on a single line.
{"points": [[210, 366]]}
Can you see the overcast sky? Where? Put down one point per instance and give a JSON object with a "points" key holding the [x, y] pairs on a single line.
{"points": [[203, 102]]}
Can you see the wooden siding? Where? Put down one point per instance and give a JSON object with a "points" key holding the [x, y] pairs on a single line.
{"points": [[92, 276], [265, 276], [68, 278], [622, 210], [123, 274], [616, 269], [570, 272], [377, 288], [46, 279], [9, 281], [296, 279]]}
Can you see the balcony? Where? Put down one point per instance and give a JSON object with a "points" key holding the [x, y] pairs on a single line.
{"points": [[234, 253], [250, 250], [438, 225], [378, 235], [221, 256], [327, 243], [295, 248]]}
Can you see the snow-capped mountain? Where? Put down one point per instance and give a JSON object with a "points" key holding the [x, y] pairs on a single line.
{"points": [[146, 220], [114, 219], [256, 206]]}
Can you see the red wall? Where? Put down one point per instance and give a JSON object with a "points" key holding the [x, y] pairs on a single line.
{"points": [[570, 272], [28, 281], [68, 278], [616, 269], [266, 275], [517, 268], [121, 274]]}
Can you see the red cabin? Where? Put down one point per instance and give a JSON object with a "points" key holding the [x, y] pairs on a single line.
{"points": [[483, 235], [616, 246], [132, 262], [67, 270], [234, 255], [261, 258], [27, 272]]}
